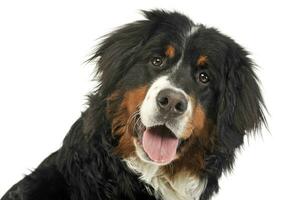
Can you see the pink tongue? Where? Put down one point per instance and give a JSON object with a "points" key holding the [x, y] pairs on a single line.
{"points": [[159, 144]]}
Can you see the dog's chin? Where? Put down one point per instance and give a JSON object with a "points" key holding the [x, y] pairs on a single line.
{"points": [[156, 145]]}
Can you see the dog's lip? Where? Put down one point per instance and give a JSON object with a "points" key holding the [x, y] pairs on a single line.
{"points": [[143, 128]]}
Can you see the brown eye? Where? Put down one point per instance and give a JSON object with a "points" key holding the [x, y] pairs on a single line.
{"points": [[202, 77], [157, 61]]}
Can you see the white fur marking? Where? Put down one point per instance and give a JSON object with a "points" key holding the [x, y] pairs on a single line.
{"points": [[149, 107], [181, 187], [193, 30]]}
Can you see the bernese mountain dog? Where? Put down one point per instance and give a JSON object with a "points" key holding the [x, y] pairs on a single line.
{"points": [[174, 102]]}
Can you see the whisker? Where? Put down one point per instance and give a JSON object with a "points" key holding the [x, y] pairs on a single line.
{"points": [[133, 118]]}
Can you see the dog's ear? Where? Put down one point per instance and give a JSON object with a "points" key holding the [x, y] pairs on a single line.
{"points": [[240, 102], [118, 50]]}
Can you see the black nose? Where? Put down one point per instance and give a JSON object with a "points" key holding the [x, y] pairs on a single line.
{"points": [[171, 102]]}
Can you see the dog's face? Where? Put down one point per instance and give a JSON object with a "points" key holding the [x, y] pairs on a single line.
{"points": [[176, 91], [177, 97]]}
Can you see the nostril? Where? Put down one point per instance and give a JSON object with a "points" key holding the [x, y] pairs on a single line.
{"points": [[181, 106], [163, 101]]}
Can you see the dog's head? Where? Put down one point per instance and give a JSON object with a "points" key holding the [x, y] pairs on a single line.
{"points": [[175, 90]]}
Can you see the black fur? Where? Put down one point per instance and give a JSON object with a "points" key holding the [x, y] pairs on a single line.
{"points": [[85, 168]]}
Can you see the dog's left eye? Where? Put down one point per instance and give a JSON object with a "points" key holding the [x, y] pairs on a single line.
{"points": [[202, 77], [157, 61]]}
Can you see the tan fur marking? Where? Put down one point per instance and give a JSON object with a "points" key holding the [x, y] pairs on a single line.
{"points": [[196, 123], [122, 121], [170, 51], [198, 118], [134, 98], [202, 60]]}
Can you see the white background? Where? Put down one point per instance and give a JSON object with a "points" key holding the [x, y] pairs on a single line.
{"points": [[43, 81]]}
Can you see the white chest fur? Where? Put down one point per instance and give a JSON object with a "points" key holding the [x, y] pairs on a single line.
{"points": [[181, 187]]}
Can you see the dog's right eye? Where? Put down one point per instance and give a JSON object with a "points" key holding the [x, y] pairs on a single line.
{"points": [[157, 61]]}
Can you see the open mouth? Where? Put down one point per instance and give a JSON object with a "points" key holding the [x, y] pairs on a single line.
{"points": [[160, 144]]}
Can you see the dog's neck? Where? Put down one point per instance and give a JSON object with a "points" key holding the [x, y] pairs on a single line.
{"points": [[181, 186]]}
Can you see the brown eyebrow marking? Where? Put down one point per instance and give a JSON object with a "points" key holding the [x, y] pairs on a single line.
{"points": [[202, 60], [170, 51]]}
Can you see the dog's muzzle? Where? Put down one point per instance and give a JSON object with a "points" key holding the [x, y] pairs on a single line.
{"points": [[165, 113]]}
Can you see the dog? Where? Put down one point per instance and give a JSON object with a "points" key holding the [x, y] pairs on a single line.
{"points": [[174, 102]]}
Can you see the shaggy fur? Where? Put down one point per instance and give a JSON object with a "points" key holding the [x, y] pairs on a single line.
{"points": [[98, 158]]}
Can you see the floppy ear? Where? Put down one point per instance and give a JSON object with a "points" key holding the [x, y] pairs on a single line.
{"points": [[240, 102], [117, 51]]}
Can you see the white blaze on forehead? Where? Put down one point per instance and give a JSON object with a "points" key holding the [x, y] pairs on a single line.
{"points": [[149, 109], [193, 30], [177, 66]]}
